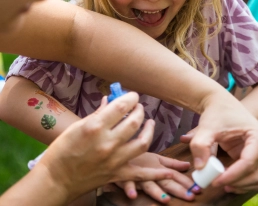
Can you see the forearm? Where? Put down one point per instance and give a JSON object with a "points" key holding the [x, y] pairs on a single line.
{"points": [[112, 50], [36, 188], [250, 102], [32, 112]]}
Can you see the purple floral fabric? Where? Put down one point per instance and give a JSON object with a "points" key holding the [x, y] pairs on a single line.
{"points": [[234, 50]]}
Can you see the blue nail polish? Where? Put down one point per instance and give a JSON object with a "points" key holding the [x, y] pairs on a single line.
{"points": [[164, 195], [189, 193], [190, 189]]}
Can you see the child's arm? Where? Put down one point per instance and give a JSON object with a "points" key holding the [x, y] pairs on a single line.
{"points": [[27, 108], [68, 168], [61, 119], [38, 115]]}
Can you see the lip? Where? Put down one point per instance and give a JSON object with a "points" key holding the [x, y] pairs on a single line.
{"points": [[154, 24]]}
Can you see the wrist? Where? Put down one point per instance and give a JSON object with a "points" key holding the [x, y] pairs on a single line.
{"points": [[52, 189]]}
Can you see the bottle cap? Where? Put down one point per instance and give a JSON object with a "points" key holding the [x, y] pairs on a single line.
{"points": [[116, 91], [205, 176]]}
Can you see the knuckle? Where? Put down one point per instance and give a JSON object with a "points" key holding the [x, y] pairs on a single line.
{"points": [[198, 144], [250, 167], [135, 124], [104, 150], [121, 107], [166, 184], [113, 164], [138, 177], [144, 144], [93, 129]]}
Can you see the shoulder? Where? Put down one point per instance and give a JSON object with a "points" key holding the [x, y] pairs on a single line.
{"points": [[236, 8]]}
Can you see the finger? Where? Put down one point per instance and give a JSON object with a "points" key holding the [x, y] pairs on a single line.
{"points": [[130, 189], [174, 164], [117, 109], [245, 166], [130, 125], [237, 190], [137, 173], [103, 103], [186, 138], [201, 147], [249, 181], [176, 189], [137, 146], [214, 149], [183, 181], [154, 190]]}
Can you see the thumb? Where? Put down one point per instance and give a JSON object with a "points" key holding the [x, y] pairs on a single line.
{"points": [[201, 147], [188, 136]]}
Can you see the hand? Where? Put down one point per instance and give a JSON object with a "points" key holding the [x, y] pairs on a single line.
{"points": [[95, 150], [189, 135], [236, 130], [158, 190]]}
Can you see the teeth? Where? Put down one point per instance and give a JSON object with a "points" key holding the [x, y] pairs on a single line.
{"points": [[150, 12]]}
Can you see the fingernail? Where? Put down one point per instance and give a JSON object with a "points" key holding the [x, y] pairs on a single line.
{"points": [[189, 193], [186, 135], [198, 162], [164, 195], [196, 189], [132, 193]]}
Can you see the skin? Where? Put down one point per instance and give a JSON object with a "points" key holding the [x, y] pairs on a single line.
{"points": [[155, 30], [176, 186], [12, 16], [89, 34], [52, 179], [234, 146], [65, 173]]}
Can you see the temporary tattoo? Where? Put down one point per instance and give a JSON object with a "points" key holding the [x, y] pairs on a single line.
{"points": [[48, 121], [33, 102], [52, 105]]}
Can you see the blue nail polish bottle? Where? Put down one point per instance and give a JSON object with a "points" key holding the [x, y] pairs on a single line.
{"points": [[116, 91]]}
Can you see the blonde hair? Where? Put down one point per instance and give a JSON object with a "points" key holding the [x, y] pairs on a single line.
{"points": [[176, 33]]}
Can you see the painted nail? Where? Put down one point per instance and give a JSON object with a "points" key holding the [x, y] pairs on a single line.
{"points": [[132, 193], [189, 193], [196, 188], [164, 195]]}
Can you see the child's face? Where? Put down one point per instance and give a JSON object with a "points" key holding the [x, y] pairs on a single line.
{"points": [[154, 16]]}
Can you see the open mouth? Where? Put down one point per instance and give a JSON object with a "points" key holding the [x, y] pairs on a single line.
{"points": [[149, 17]]}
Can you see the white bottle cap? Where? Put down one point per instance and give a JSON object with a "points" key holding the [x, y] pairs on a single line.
{"points": [[205, 176], [2, 82]]}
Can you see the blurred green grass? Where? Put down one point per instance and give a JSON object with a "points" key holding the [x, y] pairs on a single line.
{"points": [[16, 149]]}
